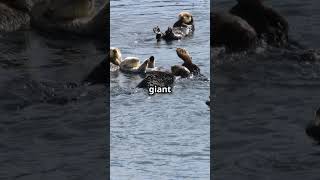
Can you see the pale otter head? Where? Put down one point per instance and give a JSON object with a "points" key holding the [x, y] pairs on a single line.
{"points": [[179, 70], [115, 56], [186, 18], [152, 62], [184, 55]]}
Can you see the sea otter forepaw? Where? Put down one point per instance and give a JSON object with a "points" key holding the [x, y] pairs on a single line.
{"points": [[156, 30]]}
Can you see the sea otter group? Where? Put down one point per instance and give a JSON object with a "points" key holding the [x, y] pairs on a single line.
{"points": [[153, 76]]}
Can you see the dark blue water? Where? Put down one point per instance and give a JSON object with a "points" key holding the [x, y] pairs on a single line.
{"points": [[263, 102], [161, 136], [51, 126]]}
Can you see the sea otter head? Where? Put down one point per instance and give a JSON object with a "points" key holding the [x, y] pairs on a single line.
{"points": [[184, 55], [115, 56], [186, 18]]}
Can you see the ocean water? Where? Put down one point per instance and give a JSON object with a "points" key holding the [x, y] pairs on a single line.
{"points": [[52, 126], [162, 136], [263, 102]]}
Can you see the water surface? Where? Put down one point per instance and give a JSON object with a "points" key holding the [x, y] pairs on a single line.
{"points": [[162, 136], [52, 127], [263, 102]]}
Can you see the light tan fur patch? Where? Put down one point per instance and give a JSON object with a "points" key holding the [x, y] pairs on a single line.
{"points": [[186, 17]]}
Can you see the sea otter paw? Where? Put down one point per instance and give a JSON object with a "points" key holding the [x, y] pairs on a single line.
{"points": [[159, 34], [156, 30]]}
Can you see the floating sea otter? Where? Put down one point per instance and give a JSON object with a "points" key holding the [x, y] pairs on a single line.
{"points": [[165, 78], [313, 129], [232, 32], [182, 28], [268, 23], [73, 16], [129, 64], [99, 74], [14, 14]]}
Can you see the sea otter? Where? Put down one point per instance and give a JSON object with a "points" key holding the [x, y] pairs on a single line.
{"points": [[166, 78], [187, 61], [182, 28], [129, 64], [14, 14], [268, 23], [72, 16], [313, 129], [232, 32]]}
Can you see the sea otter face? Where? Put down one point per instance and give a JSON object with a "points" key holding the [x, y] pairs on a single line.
{"points": [[186, 18], [115, 56]]}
